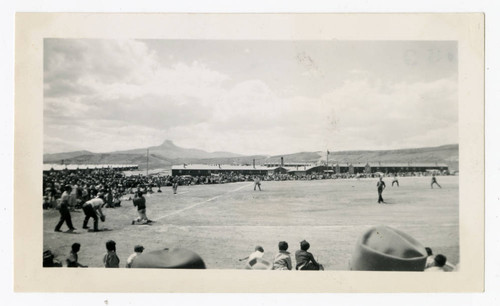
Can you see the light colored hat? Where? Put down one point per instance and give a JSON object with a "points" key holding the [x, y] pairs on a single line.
{"points": [[383, 248]]}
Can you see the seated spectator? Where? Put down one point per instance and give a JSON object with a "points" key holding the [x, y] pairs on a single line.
{"points": [[258, 253], [48, 260], [137, 251], [110, 259], [72, 260], [383, 248], [430, 258], [305, 260], [438, 265], [282, 260]]}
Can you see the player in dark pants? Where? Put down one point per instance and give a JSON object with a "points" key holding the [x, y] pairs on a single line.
{"points": [[434, 181], [92, 209], [256, 183], [380, 188], [175, 184], [64, 211]]}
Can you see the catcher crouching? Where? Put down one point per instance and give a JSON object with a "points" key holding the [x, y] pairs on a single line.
{"points": [[93, 209]]}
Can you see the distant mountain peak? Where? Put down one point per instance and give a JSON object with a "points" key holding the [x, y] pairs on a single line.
{"points": [[167, 143]]}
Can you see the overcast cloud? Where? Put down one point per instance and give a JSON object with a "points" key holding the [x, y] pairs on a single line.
{"points": [[248, 97]]}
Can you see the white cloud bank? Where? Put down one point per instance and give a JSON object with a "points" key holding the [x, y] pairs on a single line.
{"points": [[116, 95]]}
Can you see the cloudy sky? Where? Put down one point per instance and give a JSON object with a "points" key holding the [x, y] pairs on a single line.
{"points": [[249, 97]]}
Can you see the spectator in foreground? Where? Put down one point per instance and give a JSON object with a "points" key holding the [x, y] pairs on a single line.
{"points": [[383, 248], [438, 265], [282, 260], [138, 249], [255, 260], [110, 259], [430, 258], [48, 260], [305, 260], [257, 254], [72, 260], [169, 259]]}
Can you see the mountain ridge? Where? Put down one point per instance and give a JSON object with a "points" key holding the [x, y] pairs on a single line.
{"points": [[168, 154]]}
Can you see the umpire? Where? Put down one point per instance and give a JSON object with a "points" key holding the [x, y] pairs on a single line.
{"points": [[92, 209]]}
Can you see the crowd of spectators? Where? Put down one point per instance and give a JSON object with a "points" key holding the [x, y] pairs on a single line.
{"points": [[87, 183], [392, 251]]}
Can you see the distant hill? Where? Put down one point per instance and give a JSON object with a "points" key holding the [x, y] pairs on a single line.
{"points": [[168, 154], [58, 157], [170, 150], [443, 154]]}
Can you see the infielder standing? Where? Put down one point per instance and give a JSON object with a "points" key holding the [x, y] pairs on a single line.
{"points": [[380, 188], [434, 181], [256, 183]]}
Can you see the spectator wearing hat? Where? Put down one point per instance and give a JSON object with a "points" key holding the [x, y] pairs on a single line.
{"points": [[138, 249], [140, 202], [72, 260], [64, 211], [304, 259], [383, 248], [93, 209], [438, 265], [282, 260], [111, 260]]}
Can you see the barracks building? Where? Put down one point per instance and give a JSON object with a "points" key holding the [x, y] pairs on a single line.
{"points": [[300, 169], [72, 168]]}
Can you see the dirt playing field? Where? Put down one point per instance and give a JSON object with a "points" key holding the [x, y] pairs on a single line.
{"points": [[223, 223]]}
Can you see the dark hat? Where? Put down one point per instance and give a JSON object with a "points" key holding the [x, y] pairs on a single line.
{"points": [[138, 248], [383, 248], [169, 259]]}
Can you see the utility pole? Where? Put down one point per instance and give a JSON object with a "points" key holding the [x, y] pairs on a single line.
{"points": [[147, 163], [327, 153]]}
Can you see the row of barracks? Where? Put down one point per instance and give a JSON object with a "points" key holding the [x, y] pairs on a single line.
{"points": [[301, 169]]}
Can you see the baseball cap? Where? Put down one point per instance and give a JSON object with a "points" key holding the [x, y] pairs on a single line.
{"points": [[138, 248], [384, 248]]}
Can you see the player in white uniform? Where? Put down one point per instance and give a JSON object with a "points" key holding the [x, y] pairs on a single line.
{"points": [[93, 209]]}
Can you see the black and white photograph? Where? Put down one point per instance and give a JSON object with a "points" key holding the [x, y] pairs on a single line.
{"points": [[289, 155], [283, 155]]}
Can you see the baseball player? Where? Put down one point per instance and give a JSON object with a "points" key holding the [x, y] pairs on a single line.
{"points": [[380, 188], [93, 209], [434, 181]]}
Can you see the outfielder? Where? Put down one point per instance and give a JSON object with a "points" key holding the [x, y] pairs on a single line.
{"points": [[434, 181], [380, 188], [256, 183]]}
